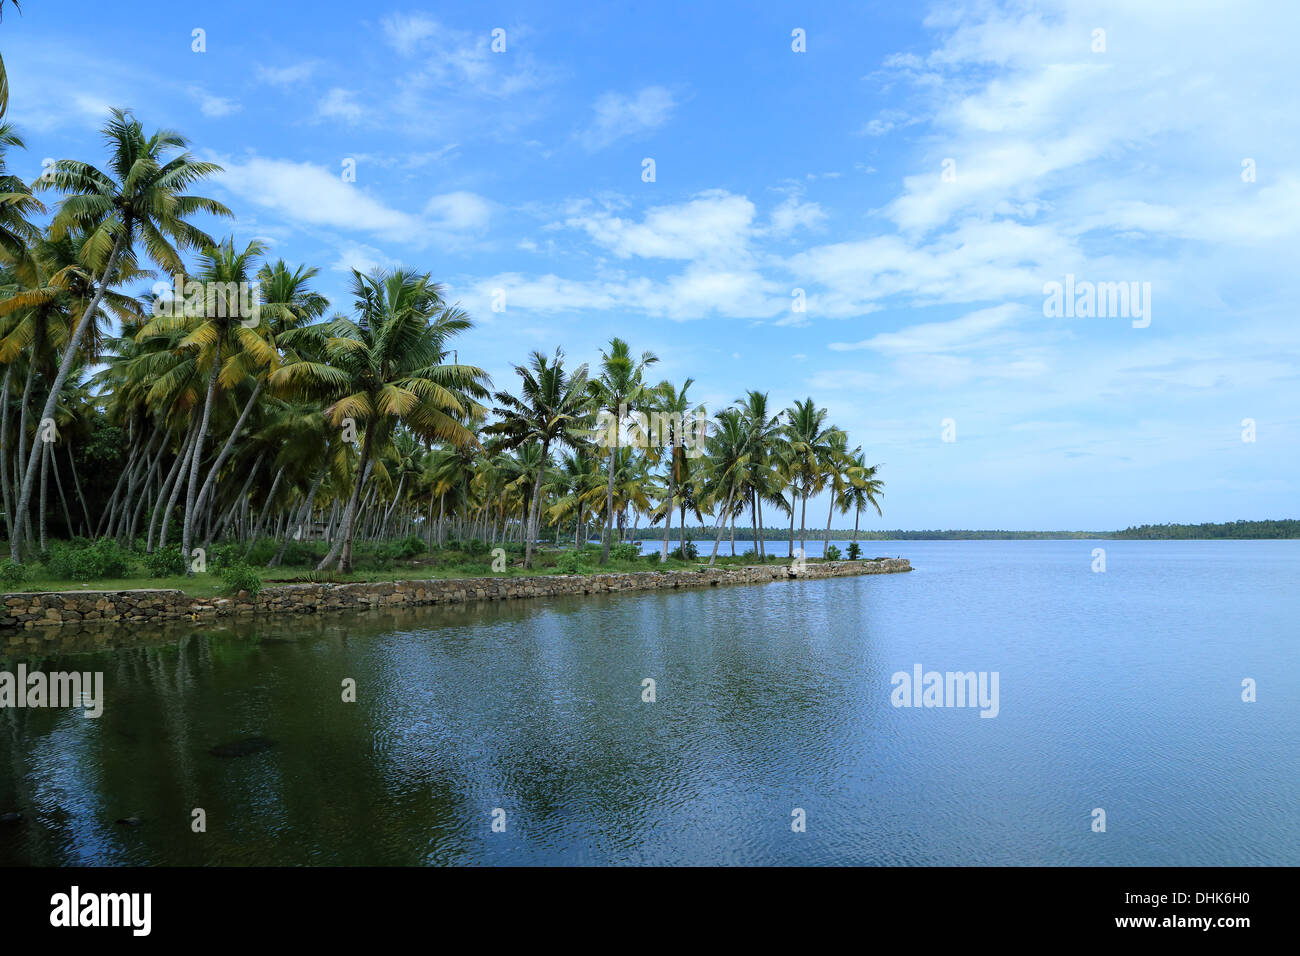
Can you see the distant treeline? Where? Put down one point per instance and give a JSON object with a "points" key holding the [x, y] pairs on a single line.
{"points": [[1282, 528]]}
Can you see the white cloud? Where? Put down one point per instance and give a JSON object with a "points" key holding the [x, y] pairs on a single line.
{"points": [[619, 115], [459, 212], [716, 224], [339, 103], [311, 195], [213, 106], [288, 75]]}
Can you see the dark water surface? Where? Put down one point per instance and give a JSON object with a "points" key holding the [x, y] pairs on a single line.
{"points": [[1119, 690]]}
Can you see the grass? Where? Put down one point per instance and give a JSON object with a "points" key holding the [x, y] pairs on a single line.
{"points": [[437, 565]]}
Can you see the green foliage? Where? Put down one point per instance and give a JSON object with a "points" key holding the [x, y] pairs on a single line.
{"points": [[13, 575], [165, 562], [237, 576], [855, 551], [572, 562], [625, 552], [77, 561], [832, 553], [692, 552]]}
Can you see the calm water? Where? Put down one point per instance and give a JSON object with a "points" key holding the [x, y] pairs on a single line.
{"points": [[1119, 690]]}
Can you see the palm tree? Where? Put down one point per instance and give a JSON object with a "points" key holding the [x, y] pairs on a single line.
{"points": [[553, 408], [389, 367], [140, 198], [764, 433], [863, 490], [729, 462], [620, 389], [808, 440], [16, 200]]}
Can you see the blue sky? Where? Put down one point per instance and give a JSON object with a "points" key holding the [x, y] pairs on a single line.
{"points": [[778, 170]]}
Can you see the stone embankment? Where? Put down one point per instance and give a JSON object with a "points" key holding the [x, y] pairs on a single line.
{"points": [[24, 612]]}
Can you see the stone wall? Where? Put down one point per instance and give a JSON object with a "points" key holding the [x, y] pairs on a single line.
{"points": [[24, 612]]}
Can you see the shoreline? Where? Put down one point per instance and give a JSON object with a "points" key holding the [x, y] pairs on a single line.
{"points": [[26, 615]]}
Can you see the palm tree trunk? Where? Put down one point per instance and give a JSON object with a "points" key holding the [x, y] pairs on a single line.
{"points": [[58, 484], [349, 516], [65, 366], [266, 510], [609, 500], [240, 500], [225, 450], [803, 523], [829, 514], [45, 484], [718, 527], [192, 489], [72, 467], [794, 495], [762, 542], [166, 491], [535, 506], [4, 451]]}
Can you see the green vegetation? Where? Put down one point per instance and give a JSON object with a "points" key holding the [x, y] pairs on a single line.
{"points": [[200, 431]]}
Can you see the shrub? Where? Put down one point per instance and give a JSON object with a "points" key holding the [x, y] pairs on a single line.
{"points": [[165, 562], [572, 562], [103, 558], [14, 575], [855, 551], [692, 552], [237, 576], [832, 553], [409, 547], [625, 552]]}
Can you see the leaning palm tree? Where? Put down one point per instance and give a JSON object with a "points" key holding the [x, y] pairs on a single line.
{"points": [[553, 408], [387, 368], [141, 197], [620, 389]]}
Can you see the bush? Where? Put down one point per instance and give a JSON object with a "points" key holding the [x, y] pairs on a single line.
{"points": [[103, 558], [625, 552], [855, 551], [832, 553], [14, 575], [692, 552], [237, 576], [165, 562], [572, 562]]}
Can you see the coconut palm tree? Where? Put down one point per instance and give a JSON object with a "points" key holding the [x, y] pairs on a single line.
{"points": [[864, 491], [140, 198], [620, 389], [4, 76], [808, 448], [553, 408], [389, 367]]}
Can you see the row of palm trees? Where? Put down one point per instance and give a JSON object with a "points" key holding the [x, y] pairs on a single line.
{"points": [[299, 425]]}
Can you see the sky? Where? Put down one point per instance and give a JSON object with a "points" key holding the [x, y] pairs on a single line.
{"points": [[862, 203]]}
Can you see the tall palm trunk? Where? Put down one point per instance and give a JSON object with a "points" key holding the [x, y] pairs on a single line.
{"points": [[4, 451], [192, 489], [718, 527], [794, 496], [76, 481], [803, 522], [609, 499], [52, 400], [534, 507], [225, 450], [350, 516], [167, 491]]}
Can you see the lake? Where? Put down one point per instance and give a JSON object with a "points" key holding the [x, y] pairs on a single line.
{"points": [[1119, 690]]}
